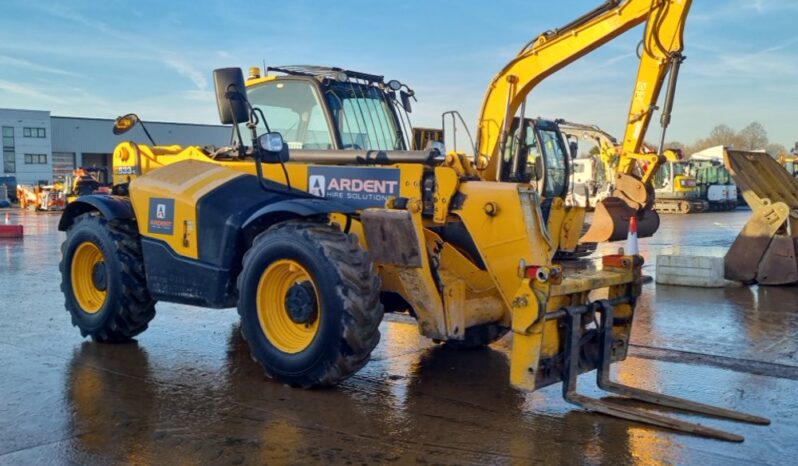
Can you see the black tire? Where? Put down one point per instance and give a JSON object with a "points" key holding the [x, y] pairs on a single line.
{"points": [[128, 306], [478, 336], [350, 308]]}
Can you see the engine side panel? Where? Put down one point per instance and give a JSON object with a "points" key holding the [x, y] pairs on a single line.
{"points": [[190, 215], [165, 202]]}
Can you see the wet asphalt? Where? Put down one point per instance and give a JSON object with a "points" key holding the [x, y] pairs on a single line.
{"points": [[186, 392]]}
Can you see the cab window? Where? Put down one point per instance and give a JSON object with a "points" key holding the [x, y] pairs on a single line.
{"points": [[293, 109]]}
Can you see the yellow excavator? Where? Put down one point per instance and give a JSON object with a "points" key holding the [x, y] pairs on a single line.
{"points": [[325, 219], [660, 57], [675, 189], [789, 162]]}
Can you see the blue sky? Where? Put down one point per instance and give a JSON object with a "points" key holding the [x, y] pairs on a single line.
{"points": [[103, 59]]}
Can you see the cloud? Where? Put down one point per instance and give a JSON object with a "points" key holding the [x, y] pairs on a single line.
{"points": [[25, 64], [180, 65], [743, 9], [197, 96], [27, 91], [187, 70]]}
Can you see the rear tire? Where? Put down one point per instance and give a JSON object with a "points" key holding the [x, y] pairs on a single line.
{"points": [[108, 301], [327, 338]]}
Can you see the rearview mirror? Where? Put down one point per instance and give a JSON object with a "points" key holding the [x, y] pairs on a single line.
{"points": [[125, 123], [405, 101], [573, 147], [272, 148], [231, 96]]}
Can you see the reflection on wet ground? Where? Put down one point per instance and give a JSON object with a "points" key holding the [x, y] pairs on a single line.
{"points": [[187, 391]]}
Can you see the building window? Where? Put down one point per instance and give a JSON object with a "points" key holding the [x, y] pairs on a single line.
{"points": [[8, 136], [35, 159], [34, 132], [9, 161], [9, 158]]}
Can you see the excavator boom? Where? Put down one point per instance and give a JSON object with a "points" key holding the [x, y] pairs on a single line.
{"points": [[660, 53]]}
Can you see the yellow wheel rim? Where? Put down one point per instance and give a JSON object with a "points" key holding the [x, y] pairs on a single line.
{"points": [[90, 298], [273, 288]]}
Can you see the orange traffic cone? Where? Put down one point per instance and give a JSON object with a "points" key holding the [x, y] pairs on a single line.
{"points": [[631, 240]]}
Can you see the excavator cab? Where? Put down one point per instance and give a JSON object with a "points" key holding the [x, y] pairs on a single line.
{"points": [[535, 153]]}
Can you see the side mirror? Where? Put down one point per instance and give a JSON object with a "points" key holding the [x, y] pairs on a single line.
{"points": [[125, 123], [231, 96], [436, 145], [272, 148], [406, 101], [573, 146]]}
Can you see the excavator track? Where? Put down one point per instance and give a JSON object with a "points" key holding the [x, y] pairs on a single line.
{"points": [[668, 206]]}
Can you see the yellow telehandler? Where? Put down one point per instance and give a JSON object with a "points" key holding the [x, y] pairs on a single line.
{"points": [[325, 219]]}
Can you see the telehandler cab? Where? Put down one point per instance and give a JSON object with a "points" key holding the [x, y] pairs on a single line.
{"points": [[326, 219]]}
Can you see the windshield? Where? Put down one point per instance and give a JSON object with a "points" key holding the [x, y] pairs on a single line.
{"points": [[555, 163], [363, 117], [293, 109], [541, 152]]}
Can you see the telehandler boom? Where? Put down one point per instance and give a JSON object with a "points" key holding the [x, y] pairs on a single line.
{"points": [[323, 221]]}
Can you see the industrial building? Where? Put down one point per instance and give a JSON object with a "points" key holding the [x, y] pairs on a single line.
{"points": [[41, 148]]}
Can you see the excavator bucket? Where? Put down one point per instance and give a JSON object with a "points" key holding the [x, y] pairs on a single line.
{"points": [[611, 222], [765, 250]]}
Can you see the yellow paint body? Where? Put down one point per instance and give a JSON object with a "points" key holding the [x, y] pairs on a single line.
{"points": [[503, 219]]}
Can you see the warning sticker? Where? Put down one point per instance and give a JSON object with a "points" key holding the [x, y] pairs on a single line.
{"points": [[162, 216], [358, 187]]}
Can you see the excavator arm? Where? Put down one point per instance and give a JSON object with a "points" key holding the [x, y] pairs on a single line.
{"points": [[660, 52], [607, 145]]}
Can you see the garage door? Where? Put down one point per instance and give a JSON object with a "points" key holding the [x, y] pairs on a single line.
{"points": [[63, 165], [96, 160]]}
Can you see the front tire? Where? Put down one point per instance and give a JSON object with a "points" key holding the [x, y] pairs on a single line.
{"points": [[103, 281], [309, 303]]}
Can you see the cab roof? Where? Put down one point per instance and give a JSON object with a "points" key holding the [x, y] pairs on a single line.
{"points": [[326, 72]]}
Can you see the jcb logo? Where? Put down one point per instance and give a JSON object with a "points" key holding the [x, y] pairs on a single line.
{"points": [[317, 185]]}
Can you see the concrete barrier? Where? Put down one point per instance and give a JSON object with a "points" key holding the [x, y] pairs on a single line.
{"points": [[701, 271], [10, 231]]}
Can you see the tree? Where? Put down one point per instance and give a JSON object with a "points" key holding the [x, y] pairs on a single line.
{"points": [[753, 137], [675, 145], [721, 135], [775, 149]]}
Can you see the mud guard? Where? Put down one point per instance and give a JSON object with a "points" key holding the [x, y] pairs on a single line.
{"points": [[295, 208], [111, 207]]}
